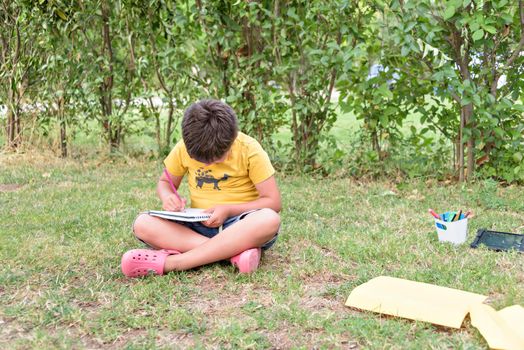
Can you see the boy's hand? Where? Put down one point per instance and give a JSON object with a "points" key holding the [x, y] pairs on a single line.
{"points": [[219, 214], [172, 203]]}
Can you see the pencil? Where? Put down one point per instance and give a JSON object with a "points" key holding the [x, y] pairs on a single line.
{"points": [[435, 215], [172, 185]]}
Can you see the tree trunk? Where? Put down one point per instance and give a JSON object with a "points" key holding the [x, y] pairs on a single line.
{"points": [[106, 87], [18, 127], [376, 144], [63, 128], [456, 154], [14, 135], [10, 128], [158, 132], [461, 146], [294, 119], [468, 122], [63, 139], [114, 143], [12, 122], [169, 122]]}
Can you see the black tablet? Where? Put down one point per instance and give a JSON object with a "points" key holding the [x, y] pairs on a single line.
{"points": [[499, 240]]}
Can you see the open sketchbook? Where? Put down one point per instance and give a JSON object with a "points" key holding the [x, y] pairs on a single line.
{"points": [[188, 215]]}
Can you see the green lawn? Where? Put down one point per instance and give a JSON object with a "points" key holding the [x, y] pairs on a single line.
{"points": [[65, 225]]}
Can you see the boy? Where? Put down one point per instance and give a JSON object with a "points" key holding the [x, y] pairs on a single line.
{"points": [[229, 175]]}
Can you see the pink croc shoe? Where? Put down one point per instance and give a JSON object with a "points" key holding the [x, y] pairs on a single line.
{"points": [[140, 262], [247, 261]]}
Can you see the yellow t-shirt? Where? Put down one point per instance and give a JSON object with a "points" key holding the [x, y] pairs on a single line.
{"points": [[229, 182]]}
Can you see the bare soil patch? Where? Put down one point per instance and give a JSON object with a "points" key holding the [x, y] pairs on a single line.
{"points": [[9, 187]]}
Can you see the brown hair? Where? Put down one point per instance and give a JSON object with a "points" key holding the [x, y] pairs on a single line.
{"points": [[209, 128]]}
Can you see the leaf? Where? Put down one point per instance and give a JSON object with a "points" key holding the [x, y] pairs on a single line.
{"points": [[384, 120], [231, 24], [383, 90], [507, 18], [291, 12], [499, 132], [390, 110], [479, 34], [490, 29], [517, 157], [501, 4], [518, 107], [474, 26], [450, 11], [61, 14]]}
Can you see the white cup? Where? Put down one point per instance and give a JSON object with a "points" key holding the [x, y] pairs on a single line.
{"points": [[452, 231]]}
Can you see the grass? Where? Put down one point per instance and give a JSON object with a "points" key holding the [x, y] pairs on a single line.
{"points": [[65, 224]]}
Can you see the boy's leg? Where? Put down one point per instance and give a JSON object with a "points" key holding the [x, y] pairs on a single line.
{"points": [[252, 231], [165, 234]]}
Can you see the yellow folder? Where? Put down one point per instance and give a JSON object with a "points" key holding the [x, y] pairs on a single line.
{"points": [[414, 300], [442, 306], [503, 329]]}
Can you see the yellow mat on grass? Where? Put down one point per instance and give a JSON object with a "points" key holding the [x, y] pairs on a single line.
{"points": [[442, 306]]}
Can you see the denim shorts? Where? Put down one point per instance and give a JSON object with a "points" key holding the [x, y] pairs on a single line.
{"points": [[211, 232]]}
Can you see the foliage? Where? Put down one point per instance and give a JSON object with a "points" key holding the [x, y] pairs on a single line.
{"points": [[241, 68], [20, 29], [423, 77], [309, 49], [61, 91], [166, 49], [463, 48]]}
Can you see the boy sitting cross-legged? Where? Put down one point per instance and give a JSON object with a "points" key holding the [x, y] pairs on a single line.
{"points": [[229, 175]]}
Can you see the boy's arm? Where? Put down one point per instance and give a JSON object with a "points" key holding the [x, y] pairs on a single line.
{"points": [[167, 196], [269, 197]]}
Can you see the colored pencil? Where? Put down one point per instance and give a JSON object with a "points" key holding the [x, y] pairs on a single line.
{"points": [[435, 215]]}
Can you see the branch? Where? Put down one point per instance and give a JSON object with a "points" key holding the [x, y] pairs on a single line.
{"points": [[514, 55], [455, 41], [5, 46], [155, 56], [17, 49], [214, 57], [128, 102], [430, 67], [90, 42], [333, 74], [132, 59], [456, 97], [276, 13]]}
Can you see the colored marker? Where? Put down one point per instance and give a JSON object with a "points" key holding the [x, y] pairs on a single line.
{"points": [[452, 218], [457, 218], [468, 213], [435, 215]]}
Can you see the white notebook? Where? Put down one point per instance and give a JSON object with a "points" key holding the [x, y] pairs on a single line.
{"points": [[188, 215]]}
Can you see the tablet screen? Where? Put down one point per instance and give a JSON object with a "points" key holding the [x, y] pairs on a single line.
{"points": [[501, 240]]}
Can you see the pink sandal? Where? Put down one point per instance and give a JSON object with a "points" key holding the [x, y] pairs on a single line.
{"points": [[247, 261], [140, 262]]}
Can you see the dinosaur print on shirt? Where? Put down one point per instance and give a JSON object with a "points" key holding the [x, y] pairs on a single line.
{"points": [[204, 177]]}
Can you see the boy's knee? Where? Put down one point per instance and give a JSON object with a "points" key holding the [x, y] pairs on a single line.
{"points": [[270, 218], [140, 225]]}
